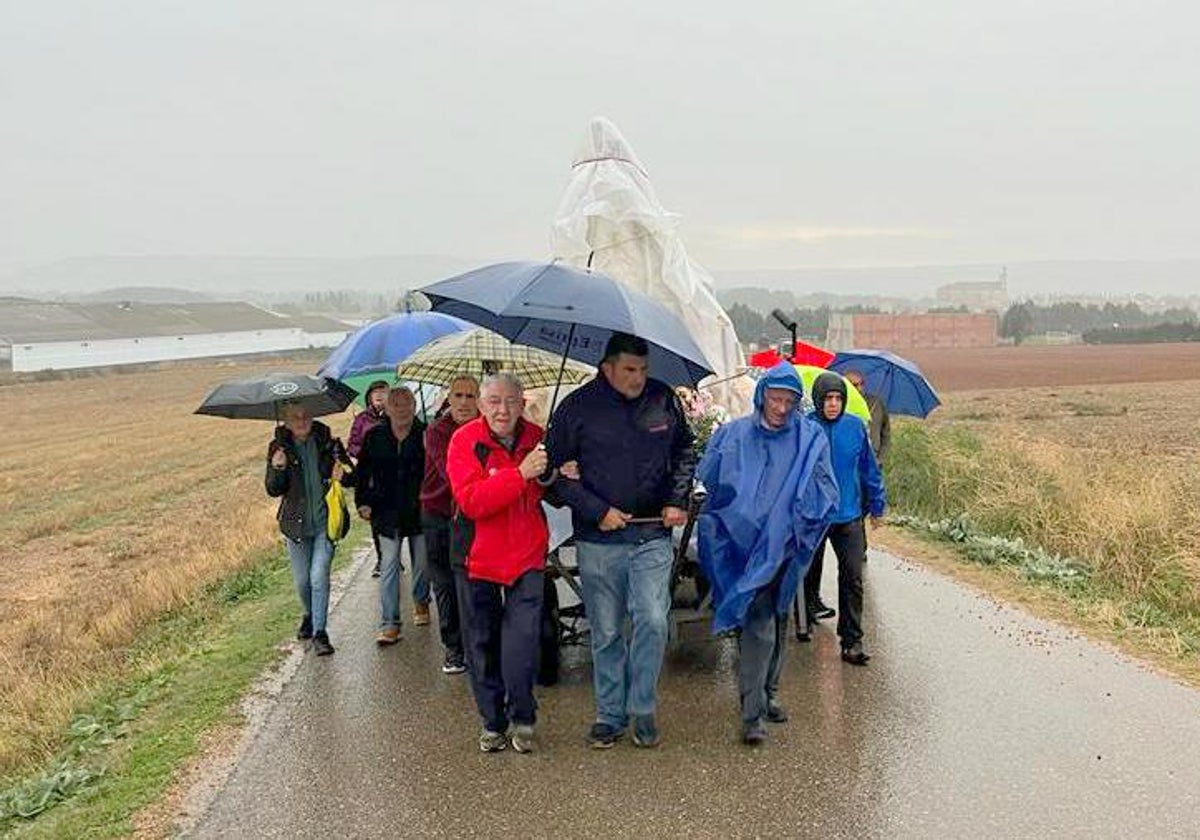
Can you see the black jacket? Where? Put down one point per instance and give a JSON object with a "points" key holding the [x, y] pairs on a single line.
{"points": [[288, 482], [389, 479], [634, 455]]}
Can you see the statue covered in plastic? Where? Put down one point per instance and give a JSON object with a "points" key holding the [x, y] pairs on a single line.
{"points": [[610, 219]]}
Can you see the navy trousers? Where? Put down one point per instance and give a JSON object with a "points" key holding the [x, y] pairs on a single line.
{"points": [[505, 626]]}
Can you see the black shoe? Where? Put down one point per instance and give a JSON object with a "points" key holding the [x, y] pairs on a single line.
{"points": [[375, 571], [754, 733], [305, 630], [645, 731], [321, 644], [776, 713], [855, 654], [602, 736], [804, 634], [821, 611], [453, 664]]}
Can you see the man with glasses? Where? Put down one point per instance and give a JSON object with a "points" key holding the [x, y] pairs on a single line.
{"points": [[493, 463]]}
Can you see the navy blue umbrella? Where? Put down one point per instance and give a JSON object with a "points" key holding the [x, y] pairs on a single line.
{"points": [[571, 312], [897, 381]]}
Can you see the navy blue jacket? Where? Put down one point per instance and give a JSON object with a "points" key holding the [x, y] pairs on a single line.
{"points": [[634, 455]]}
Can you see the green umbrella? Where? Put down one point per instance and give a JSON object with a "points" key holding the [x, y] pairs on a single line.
{"points": [[855, 404], [428, 395], [479, 352]]}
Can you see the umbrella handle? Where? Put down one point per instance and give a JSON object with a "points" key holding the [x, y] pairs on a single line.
{"points": [[561, 368]]}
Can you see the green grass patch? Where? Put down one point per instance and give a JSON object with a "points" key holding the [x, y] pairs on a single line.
{"points": [[184, 676]]}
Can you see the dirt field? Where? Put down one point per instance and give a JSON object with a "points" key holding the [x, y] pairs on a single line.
{"points": [[116, 503], [980, 368]]}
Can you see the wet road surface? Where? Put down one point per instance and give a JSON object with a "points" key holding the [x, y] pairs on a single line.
{"points": [[971, 719]]}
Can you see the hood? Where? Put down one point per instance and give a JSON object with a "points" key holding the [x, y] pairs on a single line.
{"points": [[782, 375], [827, 383]]}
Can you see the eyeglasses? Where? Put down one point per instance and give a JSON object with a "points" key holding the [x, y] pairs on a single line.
{"points": [[507, 402]]}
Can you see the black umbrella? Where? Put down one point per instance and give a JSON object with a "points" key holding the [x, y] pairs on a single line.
{"points": [[261, 397]]}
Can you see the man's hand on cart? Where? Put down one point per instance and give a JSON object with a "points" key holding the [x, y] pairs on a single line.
{"points": [[673, 517]]}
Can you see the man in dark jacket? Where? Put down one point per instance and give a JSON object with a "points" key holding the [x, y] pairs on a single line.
{"points": [[861, 492], [302, 459], [437, 511], [387, 493], [880, 427], [634, 451]]}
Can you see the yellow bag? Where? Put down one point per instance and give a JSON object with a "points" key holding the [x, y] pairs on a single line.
{"points": [[339, 515]]}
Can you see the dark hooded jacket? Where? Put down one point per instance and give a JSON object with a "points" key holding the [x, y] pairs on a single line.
{"points": [[635, 455], [860, 483], [288, 483]]}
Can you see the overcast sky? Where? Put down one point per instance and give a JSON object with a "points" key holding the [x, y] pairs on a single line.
{"points": [[787, 134]]}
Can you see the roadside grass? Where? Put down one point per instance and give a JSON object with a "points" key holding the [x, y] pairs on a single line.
{"points": [[183, 677], [1104, 516], [117, 506]]}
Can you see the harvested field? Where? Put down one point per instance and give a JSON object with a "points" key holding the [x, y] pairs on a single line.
{"points": [[116, 505], [977, 368]]}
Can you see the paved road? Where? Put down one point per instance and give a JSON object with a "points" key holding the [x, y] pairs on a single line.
{"points": [[972, 719]]}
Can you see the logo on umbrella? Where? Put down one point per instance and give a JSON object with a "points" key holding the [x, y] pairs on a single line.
{"points": [[284, 389]]}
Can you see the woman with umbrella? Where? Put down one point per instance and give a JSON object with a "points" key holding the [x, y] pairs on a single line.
{"points": [[302, 459]]}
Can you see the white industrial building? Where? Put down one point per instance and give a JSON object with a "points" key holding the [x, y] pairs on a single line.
{"points": [[38, 335]]}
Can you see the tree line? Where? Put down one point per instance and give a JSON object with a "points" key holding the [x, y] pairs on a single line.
{"points": [[1108, 323]]}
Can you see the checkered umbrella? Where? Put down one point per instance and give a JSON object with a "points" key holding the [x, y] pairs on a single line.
{"points": [[479, 352]]}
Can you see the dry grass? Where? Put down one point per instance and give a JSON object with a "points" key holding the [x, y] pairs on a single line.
{"points": [[116, 505], [1106, 474]]}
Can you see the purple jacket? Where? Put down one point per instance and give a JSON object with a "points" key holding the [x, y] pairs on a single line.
{"points": [[364, 421]]}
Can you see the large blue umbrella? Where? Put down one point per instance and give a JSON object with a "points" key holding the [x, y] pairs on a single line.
{"points": [[380, 345], [897, 381], [372, 351], [570, 311]]}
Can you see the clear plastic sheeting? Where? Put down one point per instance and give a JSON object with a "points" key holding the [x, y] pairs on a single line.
{"points": [[611, 219]]}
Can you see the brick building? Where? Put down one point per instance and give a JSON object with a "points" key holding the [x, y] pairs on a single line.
{"points": [[898, 332]]}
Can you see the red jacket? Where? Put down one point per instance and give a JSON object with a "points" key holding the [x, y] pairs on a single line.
{"points": [[511, 537], [435, 488]]}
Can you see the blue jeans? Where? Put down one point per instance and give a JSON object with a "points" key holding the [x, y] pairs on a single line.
{"points": [[310, 558], [389, 575], [622, 581]]}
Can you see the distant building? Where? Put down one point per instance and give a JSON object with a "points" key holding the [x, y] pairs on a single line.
{"points": [[899, 332], [982, 296], [37, 335]]}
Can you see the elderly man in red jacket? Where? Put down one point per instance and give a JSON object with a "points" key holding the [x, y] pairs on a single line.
{"points": [[493, 464]]}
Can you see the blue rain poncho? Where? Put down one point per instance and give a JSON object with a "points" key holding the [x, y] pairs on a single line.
{"points": [[770, 495]]}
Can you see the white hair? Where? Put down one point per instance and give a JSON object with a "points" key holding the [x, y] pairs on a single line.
{"points": [[505, 378]]}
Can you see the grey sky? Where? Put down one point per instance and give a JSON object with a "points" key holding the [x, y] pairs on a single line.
{"points": [[787, 134]]}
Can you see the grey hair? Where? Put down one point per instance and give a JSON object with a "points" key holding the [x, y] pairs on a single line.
{"points": [[502, 377]]}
